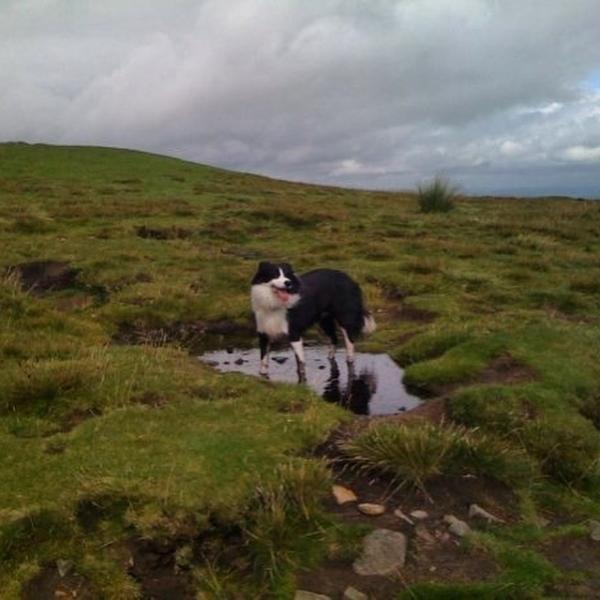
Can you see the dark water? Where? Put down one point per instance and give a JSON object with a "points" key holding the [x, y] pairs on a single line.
{"points": [[372, 387]]}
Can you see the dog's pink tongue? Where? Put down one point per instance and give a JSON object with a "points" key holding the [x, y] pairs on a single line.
{"points": [[283, 295]]}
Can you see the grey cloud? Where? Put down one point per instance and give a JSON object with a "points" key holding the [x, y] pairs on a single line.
{"points": [[380, 94]]}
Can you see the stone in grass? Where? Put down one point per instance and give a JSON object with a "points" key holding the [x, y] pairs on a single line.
{"points": [[372, 510], [475, 511], [595, 530], [398, 513], [351, 593], [457, 527], [343, 495], [419, 515], [304, 595], [384, 552]]}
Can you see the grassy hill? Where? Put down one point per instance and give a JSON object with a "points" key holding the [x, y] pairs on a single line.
{"points": [[113, 448]]}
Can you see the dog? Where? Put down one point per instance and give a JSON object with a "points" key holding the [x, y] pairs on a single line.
{"points": [[285, 305]]}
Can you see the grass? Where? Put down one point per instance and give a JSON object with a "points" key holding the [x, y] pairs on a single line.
{"points": [[415, 454], [437, 196], [103, 442]]}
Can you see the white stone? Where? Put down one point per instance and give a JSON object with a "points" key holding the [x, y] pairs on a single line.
{"points": [[420, 515], [475, 511], [398, 513], [373, 510]]}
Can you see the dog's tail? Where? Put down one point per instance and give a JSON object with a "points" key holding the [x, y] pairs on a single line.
{"points": [[369, 324]]}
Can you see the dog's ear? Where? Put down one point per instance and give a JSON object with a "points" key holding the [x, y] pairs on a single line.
{"points": [[263, 268]]}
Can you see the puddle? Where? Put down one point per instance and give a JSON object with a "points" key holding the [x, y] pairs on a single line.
{"points": [[373, 388]]}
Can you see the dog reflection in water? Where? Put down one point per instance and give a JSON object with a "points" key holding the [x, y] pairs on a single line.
{"points": [[357, 392]]}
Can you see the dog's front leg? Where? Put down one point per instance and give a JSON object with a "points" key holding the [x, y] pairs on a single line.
{"points": [[298, 349], [265, 346]]}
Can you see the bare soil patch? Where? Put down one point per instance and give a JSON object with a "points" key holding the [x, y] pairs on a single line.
{"points": [[195, 335], [49, 585], [152, 564], [40, 276], [164, 233], [506, 369]]}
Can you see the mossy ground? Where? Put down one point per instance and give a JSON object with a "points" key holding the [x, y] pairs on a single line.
{"points": [[162, 446]]}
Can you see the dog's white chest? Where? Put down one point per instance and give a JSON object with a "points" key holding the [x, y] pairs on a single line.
{"points": [[271, 315], [273, 323]]}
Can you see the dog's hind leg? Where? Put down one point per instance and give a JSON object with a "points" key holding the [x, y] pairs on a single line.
{"points": [[265, 346], [349, 346], [327, 324]]}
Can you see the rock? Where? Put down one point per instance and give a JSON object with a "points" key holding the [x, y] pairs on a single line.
{"points": [[398, 513], [595, 530], [373, 510], [384, 552], [343, 494], [475, 511], [351, 593], [304, 595], [419, 515], [457, 527]]}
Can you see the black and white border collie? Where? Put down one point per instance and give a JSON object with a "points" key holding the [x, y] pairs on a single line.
{"points": [[286, 305]]}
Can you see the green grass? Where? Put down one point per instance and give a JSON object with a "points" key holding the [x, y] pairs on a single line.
{"points": [[437, 196], [164, 447]]}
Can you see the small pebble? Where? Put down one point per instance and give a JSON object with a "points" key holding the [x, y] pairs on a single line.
{"points": [[398, 513], [351, 593], [475, 511], [373, 510], [343, 494], [456, 526], [420, 515]]}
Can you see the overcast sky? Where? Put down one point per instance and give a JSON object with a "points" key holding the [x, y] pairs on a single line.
{"points": [[502, 96]]}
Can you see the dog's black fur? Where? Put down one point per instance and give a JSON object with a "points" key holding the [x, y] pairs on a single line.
{"points": [[286, 304]]}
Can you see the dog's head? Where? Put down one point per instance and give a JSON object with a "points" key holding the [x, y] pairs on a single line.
{"points": [[276, 284]]}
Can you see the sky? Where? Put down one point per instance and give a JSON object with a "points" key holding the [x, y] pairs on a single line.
{"points": [[499, 96]]}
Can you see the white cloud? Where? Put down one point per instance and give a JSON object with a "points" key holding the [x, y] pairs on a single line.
{"points": [[380, 94], [583, 153]]}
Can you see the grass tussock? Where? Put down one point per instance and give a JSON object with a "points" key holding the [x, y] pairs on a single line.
{"points": [[285, 527], [414, 455], [437, 196]]}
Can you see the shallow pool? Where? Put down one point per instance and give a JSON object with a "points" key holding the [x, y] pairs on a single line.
{"points": [[372, 387]]}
